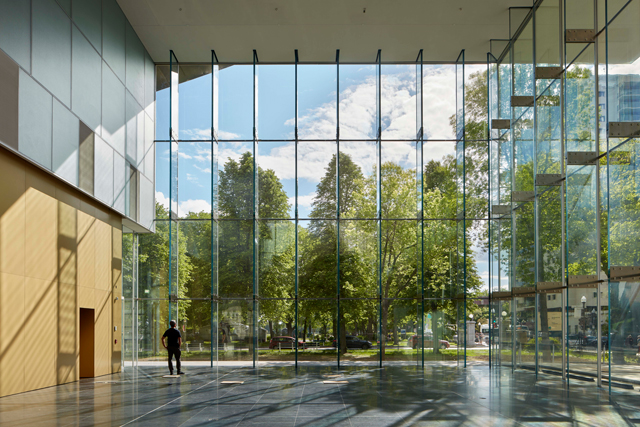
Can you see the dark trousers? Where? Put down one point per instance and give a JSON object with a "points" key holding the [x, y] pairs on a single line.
{"points": [[174, 351]]}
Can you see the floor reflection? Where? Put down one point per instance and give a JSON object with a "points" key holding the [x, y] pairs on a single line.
{"points": [[393, 396]]}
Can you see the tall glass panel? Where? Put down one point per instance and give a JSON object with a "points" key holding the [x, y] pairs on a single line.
{"points": [[235, 332], [276, 102], [464, 327], [624, 282], [318, 330], [235, 102], [398, 187], [174, 82], [398, 88], [129, 295], [276, 186], [194, 175], [437, 108], [195, 102], [317, 115], [320, 242], [358, 102]]}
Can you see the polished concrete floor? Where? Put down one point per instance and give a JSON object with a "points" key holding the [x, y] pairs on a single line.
{"points": [[393, 396]]}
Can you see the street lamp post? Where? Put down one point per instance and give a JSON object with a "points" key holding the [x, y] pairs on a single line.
{"points": [[583, 318], [502, 326], [493, 319]]}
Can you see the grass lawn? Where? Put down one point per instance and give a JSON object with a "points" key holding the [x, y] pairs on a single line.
{"points": [[329, 355]]}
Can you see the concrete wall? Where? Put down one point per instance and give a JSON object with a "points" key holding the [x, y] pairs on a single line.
{"points": [[59, 251]]}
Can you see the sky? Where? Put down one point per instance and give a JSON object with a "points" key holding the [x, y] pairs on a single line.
{"points": [[317, 119]]}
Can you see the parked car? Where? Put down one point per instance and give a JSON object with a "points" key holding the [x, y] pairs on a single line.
{"points": [[414, 342], [573, 340], [593, 341], [285, 342], [355, 342]]}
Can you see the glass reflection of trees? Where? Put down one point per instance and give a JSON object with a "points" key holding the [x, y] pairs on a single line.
{"points": [[372, 256]]}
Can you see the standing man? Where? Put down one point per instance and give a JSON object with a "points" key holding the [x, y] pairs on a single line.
{"points": [[174, 341]]}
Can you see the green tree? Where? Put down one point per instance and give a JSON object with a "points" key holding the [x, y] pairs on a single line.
{"points": [[154, 272], [318, 261], [236, 227]]}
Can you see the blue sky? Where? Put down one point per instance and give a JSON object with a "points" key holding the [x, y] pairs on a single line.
{"points": [[316, 120]]}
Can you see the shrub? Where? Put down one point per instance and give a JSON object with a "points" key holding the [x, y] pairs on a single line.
{"points": [[531, 344]]}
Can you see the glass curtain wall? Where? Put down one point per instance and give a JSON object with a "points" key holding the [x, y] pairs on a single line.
{"points": [[562, 131], [316, 213]]}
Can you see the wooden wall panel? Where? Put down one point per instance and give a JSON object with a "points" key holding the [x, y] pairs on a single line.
{"points": [[40, 333], [103, 326], [41, 236], [12, 211], [103, 256], [12, 336], [67, 342], [59, 251], [86, 250]]}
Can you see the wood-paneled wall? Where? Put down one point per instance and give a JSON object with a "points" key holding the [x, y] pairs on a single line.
{"points": [[59, 251]]}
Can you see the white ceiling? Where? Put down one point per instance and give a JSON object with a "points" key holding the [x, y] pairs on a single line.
{"points": [[192, 28]]}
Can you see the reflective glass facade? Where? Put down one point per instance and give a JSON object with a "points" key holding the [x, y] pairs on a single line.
{"points": [[563, 275], [317, 204], [332, 212]]}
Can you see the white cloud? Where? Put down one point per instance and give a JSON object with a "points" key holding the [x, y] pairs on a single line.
{"points": [[186, 206], [398, 102], [205, 134], [436, 150], [227, 135], [162, 199], [303, 200], [358, 110], [439, 101], [358, 121], [195, 134], [193, 206], [280, 159], [184, 155], [203, 170]]}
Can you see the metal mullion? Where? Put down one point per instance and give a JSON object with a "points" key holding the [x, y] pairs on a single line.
{"points": [[420, 164], [536, 204], [513, 217], [464, 208], [339, 334], [563, 195], [489, 55], [296, 279], [606, 17], [171, 142], [255, 211], [597, 198], [382, 339], [134, 303], [214, 243]]}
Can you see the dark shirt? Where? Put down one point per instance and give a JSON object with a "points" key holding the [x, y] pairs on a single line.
{"points": [[172, 335]]}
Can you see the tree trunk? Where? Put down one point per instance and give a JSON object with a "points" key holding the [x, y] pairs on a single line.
{"points": [[436, 336], [289, 328], [544, 328], [343, 335], [271, 328], [304, 331], [369, 330], [383, 333]]}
